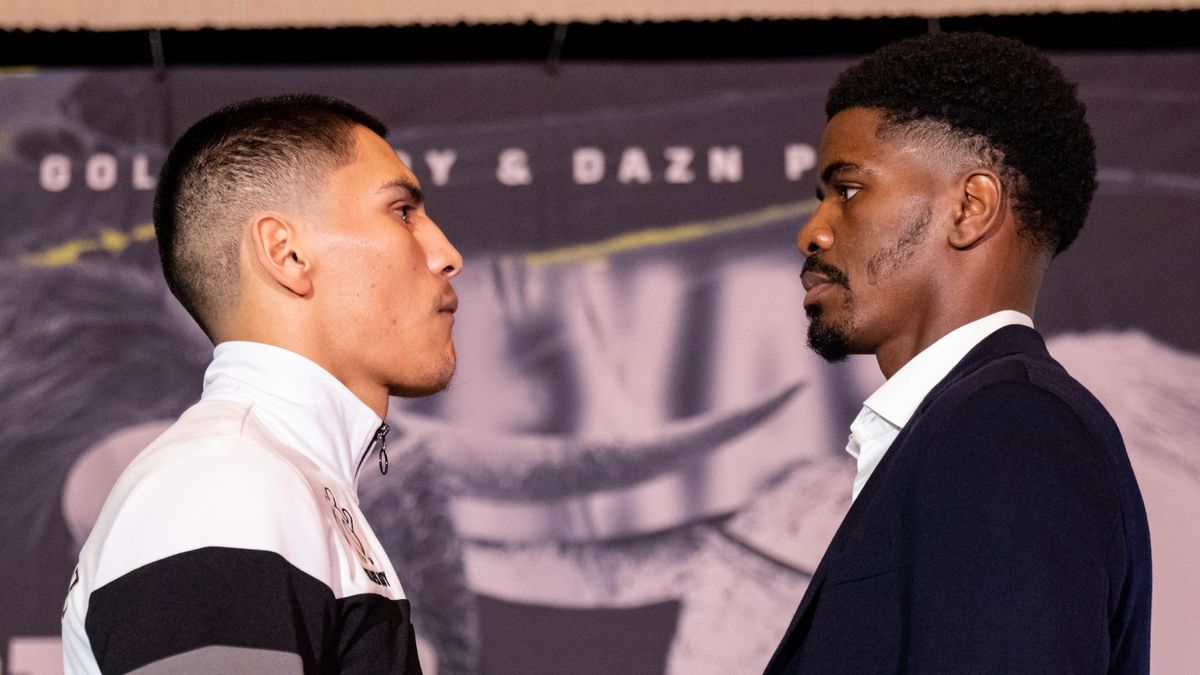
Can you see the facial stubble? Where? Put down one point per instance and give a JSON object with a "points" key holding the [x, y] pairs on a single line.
{"points": [[832, 341]]}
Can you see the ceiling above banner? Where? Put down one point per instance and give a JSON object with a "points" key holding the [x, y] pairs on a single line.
{"points": [[138, 14]]}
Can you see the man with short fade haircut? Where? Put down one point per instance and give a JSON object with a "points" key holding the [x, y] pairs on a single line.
{"points": [[996, 525], [298, 240]]}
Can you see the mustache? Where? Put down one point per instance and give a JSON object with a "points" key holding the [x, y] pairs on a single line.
{"points": [[814, 263]]}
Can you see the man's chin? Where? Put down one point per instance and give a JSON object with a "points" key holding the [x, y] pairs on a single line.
{"points": [[415, 390], [830, 342], [427, 385], [433, 378]]}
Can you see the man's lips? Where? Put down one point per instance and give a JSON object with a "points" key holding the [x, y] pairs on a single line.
{"points": [[811, 280], [449, 303], [817, 275]]}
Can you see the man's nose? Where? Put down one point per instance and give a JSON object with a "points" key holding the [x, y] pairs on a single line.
{"points": [[440, 255], [815, 235]]}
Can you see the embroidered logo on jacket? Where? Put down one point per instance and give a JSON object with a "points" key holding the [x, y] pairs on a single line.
{"points": [[345, 523]]}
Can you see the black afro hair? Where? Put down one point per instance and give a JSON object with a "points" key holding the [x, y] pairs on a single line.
{"points": [[1002, 91]]}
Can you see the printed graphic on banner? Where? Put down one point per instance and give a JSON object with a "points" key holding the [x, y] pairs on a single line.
{"points": [[639, 460]]}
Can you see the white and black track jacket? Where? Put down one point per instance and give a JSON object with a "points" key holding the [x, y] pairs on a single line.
{"points": [[234, 542]]}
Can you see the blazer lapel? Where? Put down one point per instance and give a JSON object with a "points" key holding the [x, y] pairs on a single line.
{"points": [[1005, 341], [798, 628]]}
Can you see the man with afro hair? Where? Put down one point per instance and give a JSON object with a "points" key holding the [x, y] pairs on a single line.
{"points": [[996, 525]]}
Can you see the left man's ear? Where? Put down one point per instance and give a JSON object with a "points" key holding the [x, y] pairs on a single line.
{"points": [[279, 251], [981, 209]]}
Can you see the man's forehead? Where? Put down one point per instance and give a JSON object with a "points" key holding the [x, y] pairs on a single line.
{"points": [[849, 140], [378, 157], [852, 126], [853, 142]]}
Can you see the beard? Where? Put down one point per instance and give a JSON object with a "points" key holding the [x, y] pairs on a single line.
{"points": [[896, 255], [832, 340], [829, 340]]}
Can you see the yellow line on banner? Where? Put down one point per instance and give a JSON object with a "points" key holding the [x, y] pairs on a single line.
{"points": [[67, 253], [19, 71], [115, 241], [671, 235]]}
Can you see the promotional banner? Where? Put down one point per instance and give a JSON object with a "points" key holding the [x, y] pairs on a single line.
{"points": [[639, 462]]}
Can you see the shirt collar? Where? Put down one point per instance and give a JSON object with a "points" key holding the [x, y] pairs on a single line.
{"points": [[299, 402], [898, 398]]}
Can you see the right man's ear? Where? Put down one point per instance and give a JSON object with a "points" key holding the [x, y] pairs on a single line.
{"points": [[981, 210], [277, 248]]}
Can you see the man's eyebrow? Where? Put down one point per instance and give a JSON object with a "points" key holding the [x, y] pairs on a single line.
{"points": [[838, 167], [414, 192]]}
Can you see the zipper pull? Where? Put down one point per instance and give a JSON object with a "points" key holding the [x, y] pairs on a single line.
{"points": [[381, 441]]}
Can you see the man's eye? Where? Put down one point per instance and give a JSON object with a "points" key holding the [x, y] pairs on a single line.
{"points": [[403, 211], [846, 192]]}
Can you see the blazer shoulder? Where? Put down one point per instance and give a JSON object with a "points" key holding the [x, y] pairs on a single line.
{"points": [[1022, 417], [1035, 385]]}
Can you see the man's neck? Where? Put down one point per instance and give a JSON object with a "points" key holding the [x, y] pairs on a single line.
{"points": [[893, 355]]}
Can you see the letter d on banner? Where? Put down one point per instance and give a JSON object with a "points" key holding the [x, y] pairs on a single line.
{"points": [[587, 166]]}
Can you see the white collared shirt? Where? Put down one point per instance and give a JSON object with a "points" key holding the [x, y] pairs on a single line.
{"points": [[886, 411]]}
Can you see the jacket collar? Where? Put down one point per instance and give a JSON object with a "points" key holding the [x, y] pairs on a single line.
{"points": [[898, 398], [1005, 341], [299, 402], [1014, 339]]}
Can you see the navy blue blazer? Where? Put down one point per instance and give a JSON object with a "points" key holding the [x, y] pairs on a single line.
{"points": [[1002, 532]]}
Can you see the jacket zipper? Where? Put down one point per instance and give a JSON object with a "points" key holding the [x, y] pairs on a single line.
{"points": [[380, 442]]}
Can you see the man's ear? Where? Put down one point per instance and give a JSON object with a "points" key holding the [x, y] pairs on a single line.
{"points": [[277, 248], [981, 210]]}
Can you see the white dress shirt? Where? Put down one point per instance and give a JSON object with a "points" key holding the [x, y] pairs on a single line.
{"points": [[886, 411]]}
